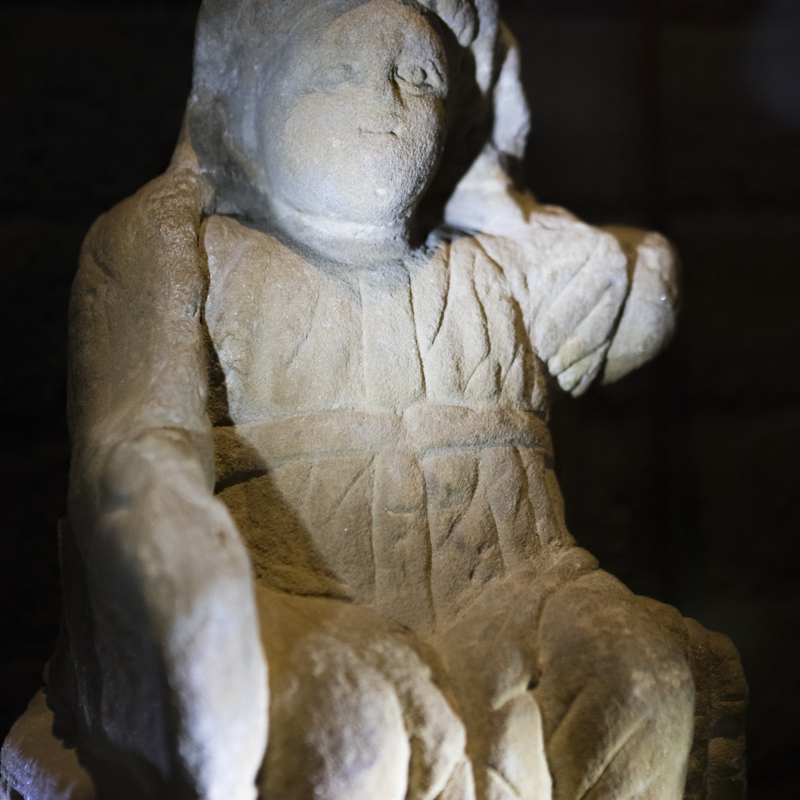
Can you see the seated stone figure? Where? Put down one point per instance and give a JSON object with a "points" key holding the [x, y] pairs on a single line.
{"points": [[315, 547]]}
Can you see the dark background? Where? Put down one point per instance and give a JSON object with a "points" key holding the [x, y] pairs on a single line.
{"points": [[681, 115]]}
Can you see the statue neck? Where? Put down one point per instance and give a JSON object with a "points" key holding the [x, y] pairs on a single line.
{"points": [[342, 241]]}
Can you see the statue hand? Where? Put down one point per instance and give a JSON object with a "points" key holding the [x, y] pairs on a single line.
{"points": [[585, 282], [175, 623]]}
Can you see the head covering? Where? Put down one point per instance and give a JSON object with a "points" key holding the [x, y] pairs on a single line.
{"points": [[240, 47]]}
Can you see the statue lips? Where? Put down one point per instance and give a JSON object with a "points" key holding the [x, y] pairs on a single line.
{"points": [[371, 132], [382, 124]]}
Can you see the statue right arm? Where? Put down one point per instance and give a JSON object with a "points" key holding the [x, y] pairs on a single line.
{"points": [[178, 662]]}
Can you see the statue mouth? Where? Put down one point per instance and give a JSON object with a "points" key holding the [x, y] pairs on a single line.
{"points": [[376, 132]]}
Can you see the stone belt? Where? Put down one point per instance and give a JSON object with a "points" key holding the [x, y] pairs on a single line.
{"points": [[422, 429]]}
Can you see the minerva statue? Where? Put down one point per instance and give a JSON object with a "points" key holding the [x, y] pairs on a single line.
{"points": [[315, 547]]}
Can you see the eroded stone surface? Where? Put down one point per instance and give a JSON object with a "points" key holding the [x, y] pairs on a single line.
{"points": [[316, 547]]}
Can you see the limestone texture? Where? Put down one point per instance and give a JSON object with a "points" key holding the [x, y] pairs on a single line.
{"points": [[315, 547]]}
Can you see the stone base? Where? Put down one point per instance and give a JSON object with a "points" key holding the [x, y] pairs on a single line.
{"points": [[36, 765]]}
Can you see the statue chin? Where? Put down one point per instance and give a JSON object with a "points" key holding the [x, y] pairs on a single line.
{"points": [[316, 545]]}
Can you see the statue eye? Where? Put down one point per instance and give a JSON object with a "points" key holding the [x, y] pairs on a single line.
{"points": [[329, 79], [419, 80], [416, 75]]}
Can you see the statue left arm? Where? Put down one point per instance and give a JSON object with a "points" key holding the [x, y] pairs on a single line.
{"points": [[595, 301], [613, 307]]}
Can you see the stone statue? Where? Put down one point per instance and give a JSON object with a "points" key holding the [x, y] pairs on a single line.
{"points": [[315, 547]]}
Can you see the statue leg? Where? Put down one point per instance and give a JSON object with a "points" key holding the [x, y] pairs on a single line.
{"points": [[717, 764], [616, 696], [358, 710], [570, 689]]}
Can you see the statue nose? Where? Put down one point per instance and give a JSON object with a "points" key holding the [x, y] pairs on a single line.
{"points": [[387, 107], [388, 93]]}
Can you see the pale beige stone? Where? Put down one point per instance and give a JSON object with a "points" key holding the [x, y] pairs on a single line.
{"points": [[316, 548]]}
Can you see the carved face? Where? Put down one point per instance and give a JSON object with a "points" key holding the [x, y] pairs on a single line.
{"points": [[354, 127]]}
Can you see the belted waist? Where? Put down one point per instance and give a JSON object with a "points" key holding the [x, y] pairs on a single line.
{"points": [[421, 429]]}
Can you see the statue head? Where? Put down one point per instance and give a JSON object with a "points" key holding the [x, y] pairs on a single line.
{"points": [[341, 111], [354, 125]]}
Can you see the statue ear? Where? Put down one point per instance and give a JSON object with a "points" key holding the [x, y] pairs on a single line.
{"points": [[511, 113], [486, 198], [459, 15]]}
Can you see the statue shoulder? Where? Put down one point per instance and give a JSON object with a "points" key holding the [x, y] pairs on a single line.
{"points": [[226, 239], [461, 249], [142, 258], [154, 231]]}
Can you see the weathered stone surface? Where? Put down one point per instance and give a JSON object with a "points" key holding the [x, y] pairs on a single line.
{"points": [[312, 477]]}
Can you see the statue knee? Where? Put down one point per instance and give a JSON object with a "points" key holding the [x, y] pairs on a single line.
{"points": [[657, 685], [626, 732], [339, 737], [616, 693]]}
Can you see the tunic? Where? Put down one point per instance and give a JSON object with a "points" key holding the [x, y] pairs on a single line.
{"points": [[381, 435]]}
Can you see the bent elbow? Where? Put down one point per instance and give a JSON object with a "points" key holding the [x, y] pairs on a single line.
{"points": [[650, 312]]}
